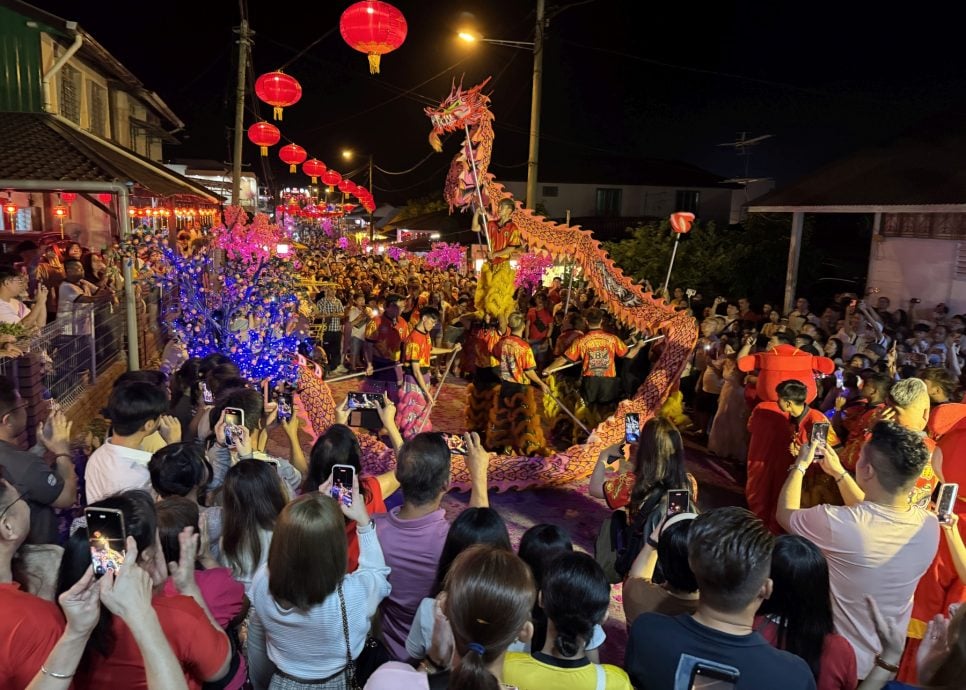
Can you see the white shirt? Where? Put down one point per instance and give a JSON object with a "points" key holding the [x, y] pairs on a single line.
{"points": [[311, 644], [360, 330], [871, 550], [12, 311], [112, 469], [76, 318]]}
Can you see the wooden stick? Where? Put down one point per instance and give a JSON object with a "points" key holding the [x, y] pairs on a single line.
{"points": [[439, 388]]}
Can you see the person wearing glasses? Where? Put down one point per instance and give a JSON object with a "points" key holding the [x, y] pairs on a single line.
{"points": [[50, 484], [12, 310]]}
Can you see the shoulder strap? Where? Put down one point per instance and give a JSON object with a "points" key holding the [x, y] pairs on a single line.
{"points": [[601, 677], [350, 667]]}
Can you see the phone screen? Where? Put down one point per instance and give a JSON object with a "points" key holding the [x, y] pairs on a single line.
{"points": [[678, 501], [708, 679], [105, 532], [694, 673], [456, 443], [341, 490], [206, 393], [839, 378], [632, 427], [284, 406], [947, 499], [234, 418], [820, 433], [363, 401]]}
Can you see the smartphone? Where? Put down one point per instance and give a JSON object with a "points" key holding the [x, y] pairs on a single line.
{"points": [[946, 501], [206, 393], [284, 401], [363, 401], [234, 419], [106, 535], [819, 438], [456, 443], [632, 427], [703, 674], [839, 378], [678, 501], [342, 476]]}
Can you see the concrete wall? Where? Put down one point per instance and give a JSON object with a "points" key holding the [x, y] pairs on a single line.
{"points": [[636, 200], [903, 268]]}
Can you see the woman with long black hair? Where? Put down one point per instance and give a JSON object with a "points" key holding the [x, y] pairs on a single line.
{"points": [[797, 617]]}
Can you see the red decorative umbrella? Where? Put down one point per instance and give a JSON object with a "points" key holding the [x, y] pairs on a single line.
{"points": [[313, 167], [263, 135], [278, 90], [293, 154], [331, 177], [373, 27]]}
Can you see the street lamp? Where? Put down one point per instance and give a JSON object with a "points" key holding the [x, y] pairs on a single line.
{"points": [[348, 154], [537, 47]]}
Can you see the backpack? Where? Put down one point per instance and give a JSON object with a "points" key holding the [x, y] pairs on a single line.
{"points": [[619, 540]]}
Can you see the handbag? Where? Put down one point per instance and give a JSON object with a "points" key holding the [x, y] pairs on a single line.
{"points": [[374, 653]]}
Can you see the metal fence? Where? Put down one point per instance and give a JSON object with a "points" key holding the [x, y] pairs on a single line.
{"points": [[72, 349]]}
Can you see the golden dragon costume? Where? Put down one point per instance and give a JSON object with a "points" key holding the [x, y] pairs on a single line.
{"points": [[469, 111]]}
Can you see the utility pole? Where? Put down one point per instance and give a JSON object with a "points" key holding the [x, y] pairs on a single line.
{"points": [[236, 159], [372, 230], [535, 108]]}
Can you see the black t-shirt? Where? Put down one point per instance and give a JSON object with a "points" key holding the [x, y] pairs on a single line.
{"points": [[657, 642], [43, 485]]}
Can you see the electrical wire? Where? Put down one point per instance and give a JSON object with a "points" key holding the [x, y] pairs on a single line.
{"points": [[407, 170], [308, 48]]}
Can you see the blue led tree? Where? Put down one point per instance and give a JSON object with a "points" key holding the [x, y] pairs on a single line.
{"points": [[244, 305]]}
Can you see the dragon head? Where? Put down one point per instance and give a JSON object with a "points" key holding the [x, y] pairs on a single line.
{"points": [[459, 109]]}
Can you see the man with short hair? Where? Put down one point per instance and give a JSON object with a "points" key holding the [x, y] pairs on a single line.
{"points": [[47, 485], [30, 626], [136, 411], [729, 551], [385, 335], [414, 396], [77, 291], [413, 534], [332, 311], [878, 544], [12, 310]]}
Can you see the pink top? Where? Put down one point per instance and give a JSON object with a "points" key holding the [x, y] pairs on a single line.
{"points": [[222, 593]]}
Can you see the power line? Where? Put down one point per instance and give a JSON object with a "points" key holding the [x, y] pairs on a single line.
{"points": [[407, 170], [308, 48]]}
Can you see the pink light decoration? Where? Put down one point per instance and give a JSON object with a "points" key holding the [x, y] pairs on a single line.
{"points": [[343, 243], [444, 255], [397, 253], [531, 269]]}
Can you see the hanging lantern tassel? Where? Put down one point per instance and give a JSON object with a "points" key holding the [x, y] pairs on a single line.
{"points": [[277, 114], [681, 224], [373, 63]]}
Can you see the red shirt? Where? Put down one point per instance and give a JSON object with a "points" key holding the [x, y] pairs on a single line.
{"points": [[387, 337], [29, 629], [836, 665], [566, 339], [483, 346], [374, 505], [516, 358], [418, 349], [599, 351], [617, 491], [199, 648], [503, 236], [539, 321]]}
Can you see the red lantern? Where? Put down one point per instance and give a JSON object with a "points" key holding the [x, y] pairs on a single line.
{"points": [[105, 198], [263, 135], [350, 187], [60, 211], [348, 207], [343, 186], [373, 27], [278, 90], [293, 154], [10, 208], [331, 177], [313, 167], [681, 222], [68, 197]]}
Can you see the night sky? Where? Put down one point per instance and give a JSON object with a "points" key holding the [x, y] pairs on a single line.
{"points": [[663, 80]]}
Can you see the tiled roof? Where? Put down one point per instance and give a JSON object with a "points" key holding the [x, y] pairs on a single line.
{"points": [[38, 146]]}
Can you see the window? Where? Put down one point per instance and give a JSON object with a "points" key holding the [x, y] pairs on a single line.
{"points": [[608, 202], [551, 191], [97, 109], [686, 201], [70, 93]]}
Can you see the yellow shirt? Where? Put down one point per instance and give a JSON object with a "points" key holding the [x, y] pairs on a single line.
{"points": [[538, 671]]}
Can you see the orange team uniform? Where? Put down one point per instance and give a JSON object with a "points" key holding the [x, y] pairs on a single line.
{"points": [[769, 456], [940, 587], [503, 236], [516, 358], [412, 413], [599, 351], [514, 421], [481, 392], [387, 337], [417, 349]]}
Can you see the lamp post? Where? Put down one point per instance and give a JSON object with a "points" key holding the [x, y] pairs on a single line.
{"points": [[348, 154], [537, 47]]}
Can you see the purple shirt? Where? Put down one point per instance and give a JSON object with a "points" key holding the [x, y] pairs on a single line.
{"points": [[411, 549]]}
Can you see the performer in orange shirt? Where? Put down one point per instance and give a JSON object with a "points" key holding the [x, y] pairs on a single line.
{"points": [[564, 385], [515, 418], [483, 337], [385, 335], [598, 351], [412, 415], [494, 291]]}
